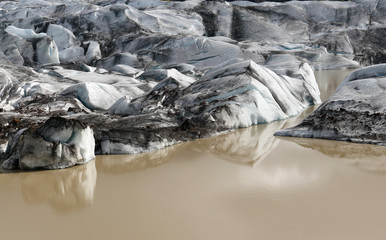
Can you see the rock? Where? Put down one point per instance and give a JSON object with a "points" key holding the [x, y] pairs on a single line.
{"points": [[355, 113], [59, 143]]}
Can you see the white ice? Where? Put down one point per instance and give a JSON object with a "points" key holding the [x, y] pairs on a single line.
{"points": [[95, 96], [84, 140]]}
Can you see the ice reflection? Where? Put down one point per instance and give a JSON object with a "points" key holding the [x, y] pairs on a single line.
{"points": [[248, 145], [116, 164], [364, 156], [64, 190], [243, 146]]}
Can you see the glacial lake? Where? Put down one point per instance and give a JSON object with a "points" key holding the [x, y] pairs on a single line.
{"points": [[242, 185]]}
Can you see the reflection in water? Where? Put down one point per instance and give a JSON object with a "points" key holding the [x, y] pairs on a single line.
{"points": [[364, 156], [64, 190], [247, 145], [244, 146], [116, 164]]}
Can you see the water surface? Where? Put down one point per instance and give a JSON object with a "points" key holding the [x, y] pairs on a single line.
{"points": [[245, 184]]}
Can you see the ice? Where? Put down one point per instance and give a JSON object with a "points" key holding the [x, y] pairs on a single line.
{"points": [[66, 42], [84, 140], [124, 84], [161, 94], [46, 49], [166, 21], [95, 96], [355, 113], [72, 54], [58, 143], [366, 72], [237, 93], [47, 52], [63, 37], [240, 93], [126, 70], [109, 147], [127, 59], [174, 70], [93, 51], [140, 4], [121, 107], [201, 52], [27, 34]]}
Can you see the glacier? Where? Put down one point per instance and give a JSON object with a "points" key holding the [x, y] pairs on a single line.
{"points": [[143, 75]]}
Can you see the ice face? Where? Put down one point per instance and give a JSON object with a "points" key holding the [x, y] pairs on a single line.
{"points": [[84, 140], [59, 143]]}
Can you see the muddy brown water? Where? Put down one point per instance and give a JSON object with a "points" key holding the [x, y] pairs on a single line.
{"points": [[243, 185]]}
